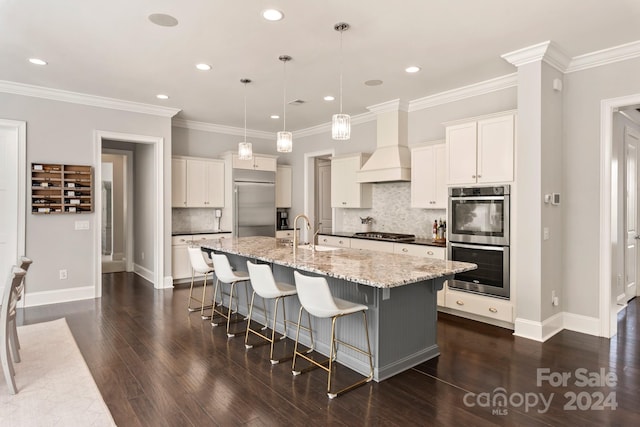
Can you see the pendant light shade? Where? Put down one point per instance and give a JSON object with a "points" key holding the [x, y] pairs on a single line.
{"points": [[284, 139], [245, 149], [341, 123]]}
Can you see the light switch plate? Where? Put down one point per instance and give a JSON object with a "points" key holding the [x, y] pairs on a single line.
{"points": [[82, 225]]}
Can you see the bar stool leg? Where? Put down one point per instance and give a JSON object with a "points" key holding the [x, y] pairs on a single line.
{"points": [[246, 335]]}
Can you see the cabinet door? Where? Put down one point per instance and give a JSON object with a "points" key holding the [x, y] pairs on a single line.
{"points": [[214, 196], [178, 183], [428, 177], [495, 149], [241, 164], [180, 263], [372, 245], [283, 187], [264, 163], [346, 192], [196, 183], [461, 153], [342, 242]]}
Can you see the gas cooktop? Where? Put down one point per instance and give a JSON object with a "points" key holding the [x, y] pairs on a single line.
{"points": [[392, 237]]}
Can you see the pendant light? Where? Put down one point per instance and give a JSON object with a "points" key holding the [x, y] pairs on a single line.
{"points": [[245, 150], [284, 140], [341, 123]]}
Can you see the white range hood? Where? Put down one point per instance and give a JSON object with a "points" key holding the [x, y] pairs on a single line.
{"points": [[391, 161]]}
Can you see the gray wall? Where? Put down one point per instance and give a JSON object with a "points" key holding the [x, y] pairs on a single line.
{"points": [[59, 132], [584, 90]]}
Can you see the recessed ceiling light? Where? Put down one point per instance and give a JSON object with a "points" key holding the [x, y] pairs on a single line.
{"points": [[274, 116], [162, 96], [37, 61], [163, 20], [203, 67], [373, 82], [329, 98], [272, 15], [412, 69]]}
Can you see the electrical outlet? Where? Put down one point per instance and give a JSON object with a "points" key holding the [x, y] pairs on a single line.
{"points": [[142, 255], [555, 301], [546, 233], [63, 274], [386, 293]]}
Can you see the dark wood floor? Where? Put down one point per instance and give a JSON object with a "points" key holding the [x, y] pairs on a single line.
{"points": [[155, 365]]}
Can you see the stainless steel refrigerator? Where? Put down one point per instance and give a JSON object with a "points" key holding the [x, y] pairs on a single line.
{"points": [[254, 203]]}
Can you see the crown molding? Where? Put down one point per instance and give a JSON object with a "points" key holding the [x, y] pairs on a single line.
{"points": [[547, 51], [393, 105], [326, 127], [227, 130], [476, 89], [605, 56], [85, 99]]}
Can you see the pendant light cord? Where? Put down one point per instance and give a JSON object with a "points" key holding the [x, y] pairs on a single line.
{"points": [[284, 96], [341, 61], [245, 112]]}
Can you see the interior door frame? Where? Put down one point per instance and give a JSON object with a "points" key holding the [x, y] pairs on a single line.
{"points": [[158, 226], [606, 312], [21, 130]]}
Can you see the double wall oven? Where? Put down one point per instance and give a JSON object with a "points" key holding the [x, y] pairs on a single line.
{"points": [[478, 232]]}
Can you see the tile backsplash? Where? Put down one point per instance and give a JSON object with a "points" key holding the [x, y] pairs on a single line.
{"points": [[192, 219], [391, 212]]}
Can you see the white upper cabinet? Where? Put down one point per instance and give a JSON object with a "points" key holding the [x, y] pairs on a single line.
{"points": [[283, 186], [178, 183], [428, 177], [481, 151], [197, 183], [346, 192], [257, 162]]}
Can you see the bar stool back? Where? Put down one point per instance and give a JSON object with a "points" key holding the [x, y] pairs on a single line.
{"points": [[7, 323], [315, 298], [225, 274], [199, 266], [266, 287], [25, 263]]}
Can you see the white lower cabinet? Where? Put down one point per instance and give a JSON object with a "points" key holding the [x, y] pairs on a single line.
{"points": [[284, 234], [180, 262], [341, 242], [372, 245], [426, 252], [493, 308]]}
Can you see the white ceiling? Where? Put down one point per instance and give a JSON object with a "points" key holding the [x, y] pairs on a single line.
{"points": [[111, 49]]}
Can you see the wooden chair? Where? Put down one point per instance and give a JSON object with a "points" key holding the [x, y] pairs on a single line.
{"points": [[7, 325]]}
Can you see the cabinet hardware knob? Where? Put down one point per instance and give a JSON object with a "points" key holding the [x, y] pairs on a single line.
{"points": [[479, 176], [493, 310], [460, 302], [341, 242], [324, 240], [473, 176], [429, 252], [405, 250]]}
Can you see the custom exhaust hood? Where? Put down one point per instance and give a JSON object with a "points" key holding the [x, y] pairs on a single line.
{"points": [[391, 161]]}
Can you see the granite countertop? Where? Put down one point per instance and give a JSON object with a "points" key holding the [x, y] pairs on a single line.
{"points": [[188, 233], [371, 268], [417, 241]]}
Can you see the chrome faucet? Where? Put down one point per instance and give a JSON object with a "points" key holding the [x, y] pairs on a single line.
{"points": [[295, 234]]}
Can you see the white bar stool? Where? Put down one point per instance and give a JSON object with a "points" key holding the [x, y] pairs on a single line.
{"points": [[316, 299], [266, 287], [225, 274], [199, 265], [7, 324]]}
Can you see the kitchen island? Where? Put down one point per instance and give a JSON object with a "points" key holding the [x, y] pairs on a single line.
{"points": [[399, 291]]}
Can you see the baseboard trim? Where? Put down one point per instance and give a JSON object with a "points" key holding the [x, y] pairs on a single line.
{"points": [[168, 282], [143, 272], [542, 331], [583, 324], [34, 299]]}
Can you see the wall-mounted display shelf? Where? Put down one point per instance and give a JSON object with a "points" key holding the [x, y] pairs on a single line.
{"points": [[61, 188]]}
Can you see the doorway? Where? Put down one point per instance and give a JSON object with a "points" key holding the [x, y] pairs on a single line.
{"points": [[12, 194], [631, 142], [148, 249], [311, 188], [323, 212], [117, 204]]}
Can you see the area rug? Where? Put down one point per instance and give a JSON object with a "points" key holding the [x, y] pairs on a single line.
{"points": [[55, 387]]}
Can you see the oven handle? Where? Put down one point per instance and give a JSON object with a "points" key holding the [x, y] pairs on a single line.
{"points": [[486, 248], [469, 198]]}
